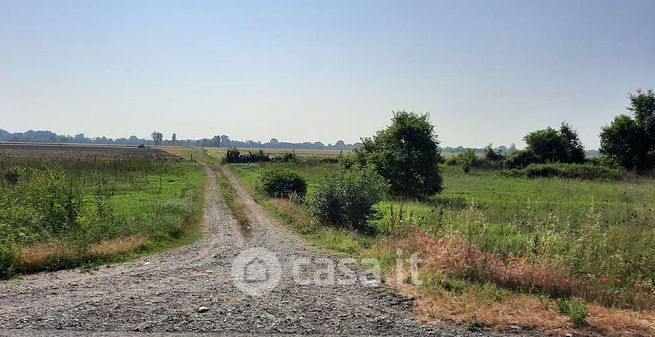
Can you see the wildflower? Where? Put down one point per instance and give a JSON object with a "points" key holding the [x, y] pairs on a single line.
{"points": [[637, 286]]}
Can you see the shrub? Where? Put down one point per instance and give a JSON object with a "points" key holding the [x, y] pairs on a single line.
{"points": [[283, 183], [576, 310], [233, 155], [572, 171], [346, 198], [7, 261], [467, 160], [520, 159], [13, 174], [46, 203]]}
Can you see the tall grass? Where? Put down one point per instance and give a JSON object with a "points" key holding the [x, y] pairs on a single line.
{"points": [[598, 233], [65, 213]]}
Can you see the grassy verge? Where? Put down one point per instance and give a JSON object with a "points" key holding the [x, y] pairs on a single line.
{"points": [[84, 213], [237, 208], [503, 251]]}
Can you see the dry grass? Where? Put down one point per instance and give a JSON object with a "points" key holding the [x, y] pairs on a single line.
{"points": [[528, 312], [454, 257], [39, 257], [117, 246]]}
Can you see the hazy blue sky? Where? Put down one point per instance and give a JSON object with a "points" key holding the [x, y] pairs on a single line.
{"points": [[487, 71]]}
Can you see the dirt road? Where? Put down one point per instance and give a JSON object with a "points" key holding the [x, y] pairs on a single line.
{"points": [[191, 290]]}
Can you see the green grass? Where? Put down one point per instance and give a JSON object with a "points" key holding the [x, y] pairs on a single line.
{"points": [[599, 228], [124, 208]]}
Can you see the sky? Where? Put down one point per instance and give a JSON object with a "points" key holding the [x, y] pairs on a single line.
{"points": [[486, 71]]}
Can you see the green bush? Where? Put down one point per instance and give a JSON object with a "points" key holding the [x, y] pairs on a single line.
{"points": [[572, 171], [45, 204], [234, 156], [576, 310], [283, 183], [467, 160], [7, 261], [520, 159], [346, 198]]}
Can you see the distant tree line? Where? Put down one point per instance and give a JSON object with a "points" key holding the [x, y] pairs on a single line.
{"points": [[157, 138]]}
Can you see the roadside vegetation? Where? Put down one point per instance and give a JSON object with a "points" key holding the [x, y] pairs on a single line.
{"points": [[539, 238], [65, 213]]}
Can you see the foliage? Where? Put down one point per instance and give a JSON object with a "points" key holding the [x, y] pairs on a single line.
{"points": [[286, 157], [576, 310], [407, 154], [8, 257], [13, 174], [283, 183], [45, 204], [550, 145], [467, 160], [521, 159], [74, 205], [492, 156], [234, 156], [630, 140], [346, 198], [574, 171]]}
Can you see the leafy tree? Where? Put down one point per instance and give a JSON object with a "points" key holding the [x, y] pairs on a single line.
{"points": [[157, 137], [630, 140], [407, 154], [550, 145]]}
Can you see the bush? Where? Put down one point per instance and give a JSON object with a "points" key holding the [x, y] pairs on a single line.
{"points": [[46, 203], [233, 156], [283, 183], [7, 261], [572, 171], [520, 159], [13, 174], [467, 160], [576, 310], [346, 198]]}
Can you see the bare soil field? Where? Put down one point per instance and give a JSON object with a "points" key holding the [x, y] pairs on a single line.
{"points": [[79, 152]]}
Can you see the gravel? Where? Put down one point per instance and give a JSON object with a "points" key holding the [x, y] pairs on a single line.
{"points": [[190, 292]]}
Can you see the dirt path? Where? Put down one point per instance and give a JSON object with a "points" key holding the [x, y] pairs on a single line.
{"points": [[163, 294]]}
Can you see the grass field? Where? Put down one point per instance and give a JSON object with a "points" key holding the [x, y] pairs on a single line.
{"points": [[61, 213], [507, 244]]}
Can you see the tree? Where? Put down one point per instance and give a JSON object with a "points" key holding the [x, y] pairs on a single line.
{"points": [[629, 141], [215, 141], [574, 150], [157, 137], [407, 154], [550, 145], [493, 156]]}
